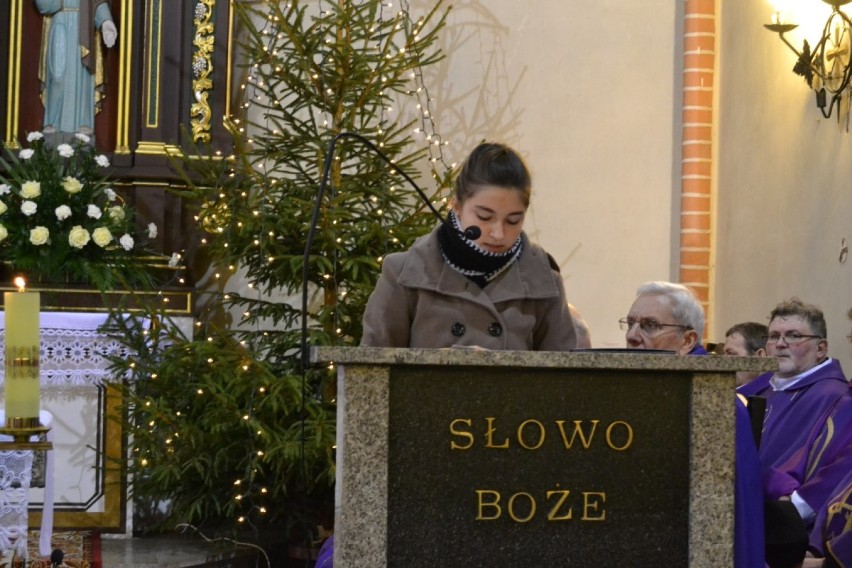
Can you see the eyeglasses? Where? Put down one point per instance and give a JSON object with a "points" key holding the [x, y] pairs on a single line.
{"points": [[649, 326], [791, 338]]}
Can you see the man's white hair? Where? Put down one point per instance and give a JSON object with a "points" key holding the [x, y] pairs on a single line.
{"points": [[685, 307]]}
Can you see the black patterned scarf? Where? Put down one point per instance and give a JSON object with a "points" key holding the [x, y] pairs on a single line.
{"points": [[465, 256]]}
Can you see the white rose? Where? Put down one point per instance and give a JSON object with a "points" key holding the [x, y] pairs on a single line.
{"points": [[62, 212], [110, 193], [33, 136], [71, 184], [126, 241], [30, 189], [94, 211], [116, 213], [174, 260], [26, 153], [3, 233], [152, 231], [65, 150], [4, 189], [39, 235], [78, 237], [28, 208], [102, 236], [102, 160]]}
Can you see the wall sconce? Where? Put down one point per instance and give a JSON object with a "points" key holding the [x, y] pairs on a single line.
{"points": [[825, 67]]}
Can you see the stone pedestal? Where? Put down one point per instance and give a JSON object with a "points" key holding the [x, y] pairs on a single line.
{"points": [[472, 458]]}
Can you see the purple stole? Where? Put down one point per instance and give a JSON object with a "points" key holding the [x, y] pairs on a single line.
{"points": [[793, 414], [835, 523]]}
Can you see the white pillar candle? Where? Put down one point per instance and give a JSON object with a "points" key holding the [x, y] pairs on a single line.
{"points": [[22, 357]]}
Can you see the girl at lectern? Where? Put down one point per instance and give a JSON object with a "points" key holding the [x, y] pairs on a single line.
{"points": [[476, 280]]}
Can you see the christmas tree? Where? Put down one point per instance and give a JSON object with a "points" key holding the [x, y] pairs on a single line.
{"points": [[227, 425]]}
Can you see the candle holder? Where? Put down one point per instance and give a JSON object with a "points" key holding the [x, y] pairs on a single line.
{"points": [[22, 430]]}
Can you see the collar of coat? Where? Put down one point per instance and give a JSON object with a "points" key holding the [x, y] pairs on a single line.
{"points": [[531, 277]]}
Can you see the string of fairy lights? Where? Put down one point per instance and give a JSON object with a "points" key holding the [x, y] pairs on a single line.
{"points": [[257, 93]]}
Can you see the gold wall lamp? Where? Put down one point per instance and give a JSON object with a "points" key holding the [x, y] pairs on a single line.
{"points": [[825, 67]]}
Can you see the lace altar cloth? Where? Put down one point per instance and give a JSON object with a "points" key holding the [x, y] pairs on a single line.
{"points": [[16, 468], [73, 351], [16, 471]]}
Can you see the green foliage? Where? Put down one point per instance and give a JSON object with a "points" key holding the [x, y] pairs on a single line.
{"points": [[218, 429], [226, 422]]}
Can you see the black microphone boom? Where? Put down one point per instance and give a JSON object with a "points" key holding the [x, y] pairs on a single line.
{"points": [[471, 232]]}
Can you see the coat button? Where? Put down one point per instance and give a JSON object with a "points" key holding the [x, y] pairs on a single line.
{"points": [[495, 329], [458, 329]]}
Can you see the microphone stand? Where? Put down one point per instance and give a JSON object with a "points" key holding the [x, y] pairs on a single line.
{"points": [[329, 157]]}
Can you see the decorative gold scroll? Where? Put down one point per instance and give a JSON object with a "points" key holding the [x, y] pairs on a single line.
{"points": [[202, 67]]}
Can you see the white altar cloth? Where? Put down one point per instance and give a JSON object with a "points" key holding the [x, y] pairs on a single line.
{"points": [[16, 468]]}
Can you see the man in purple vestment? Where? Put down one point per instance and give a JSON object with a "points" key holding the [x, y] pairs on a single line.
{"points": [[799, 398], [668, 316], [831, 461]]}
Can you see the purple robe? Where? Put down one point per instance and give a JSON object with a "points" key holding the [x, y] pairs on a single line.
{"points": [[698, 350], [828, 484], [832, 535], [749, 537], [793, 415], [325, 558]]}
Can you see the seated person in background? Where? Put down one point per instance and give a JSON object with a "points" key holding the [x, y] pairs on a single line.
{"points": [[665, 316], [584, 338], [496, 290], [827, 480], [668, 316], [799, 396], [831, 537], [746, 339]]}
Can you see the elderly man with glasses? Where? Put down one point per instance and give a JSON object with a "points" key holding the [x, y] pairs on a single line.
{"points": [[667, 316]]}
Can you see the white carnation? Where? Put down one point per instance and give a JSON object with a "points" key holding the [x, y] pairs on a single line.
{"points": [[93, 211], [152, 231], [4, 189], [26, 153], [126, 241], [33, 136], [82, 138], [65, 150], [174, 261], [63, 212], [110, 193], [102, 160]]}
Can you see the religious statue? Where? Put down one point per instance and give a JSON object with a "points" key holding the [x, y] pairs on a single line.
{"points": [[71, 67]]}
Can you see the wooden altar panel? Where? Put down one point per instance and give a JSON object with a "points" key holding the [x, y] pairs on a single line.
{"points": [[150, 73]]}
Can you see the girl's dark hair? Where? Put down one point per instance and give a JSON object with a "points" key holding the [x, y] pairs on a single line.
{"points": [[493, 164]]}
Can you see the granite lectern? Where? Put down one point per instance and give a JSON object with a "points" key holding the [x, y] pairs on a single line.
{"points": [[456, 457]]}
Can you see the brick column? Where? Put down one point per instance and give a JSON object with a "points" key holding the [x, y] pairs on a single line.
{"points": [[696, 210]]}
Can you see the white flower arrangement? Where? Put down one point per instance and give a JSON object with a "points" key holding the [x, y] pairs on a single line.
{"points": [[59, 219]]}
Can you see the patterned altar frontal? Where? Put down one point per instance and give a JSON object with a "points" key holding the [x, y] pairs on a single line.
{"points": [[75, 390]]}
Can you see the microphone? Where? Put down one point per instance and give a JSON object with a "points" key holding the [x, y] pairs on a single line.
{"points": [[472, 233]]}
